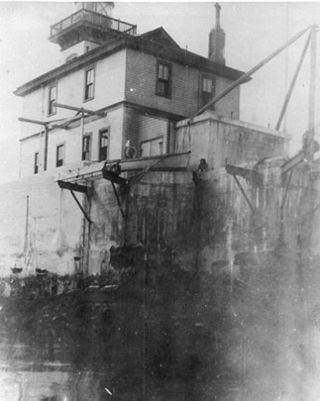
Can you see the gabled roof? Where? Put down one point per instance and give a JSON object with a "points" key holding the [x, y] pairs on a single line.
{"points": [[161, 36], [157, 42]]}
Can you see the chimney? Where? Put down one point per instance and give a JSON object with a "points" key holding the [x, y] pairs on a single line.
{"points": [[217, 39]]}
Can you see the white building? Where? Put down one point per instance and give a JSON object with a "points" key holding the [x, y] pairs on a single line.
{"points": [[139, 85]]}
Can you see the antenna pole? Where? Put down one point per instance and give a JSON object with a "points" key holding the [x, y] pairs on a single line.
{"points": [[312, 87], [309, 135]]}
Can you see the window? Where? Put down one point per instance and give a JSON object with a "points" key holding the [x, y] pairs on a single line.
{"points": [[60, 155], [52, 98], [36, 163], [89, 84], [103, 144], [152, 147], [86, 147], [163, 86], [207, 90]]}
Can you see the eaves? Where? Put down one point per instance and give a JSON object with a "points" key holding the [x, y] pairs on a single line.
{"points": [[136, 43]]}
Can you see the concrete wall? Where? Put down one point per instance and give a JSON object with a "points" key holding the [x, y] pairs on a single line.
{"points": [[185, 90], [219, 139], [256, 301], [171, 195], [46, 237]]}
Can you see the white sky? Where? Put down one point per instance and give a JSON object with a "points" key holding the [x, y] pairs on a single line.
{"points": [[253, 30]]}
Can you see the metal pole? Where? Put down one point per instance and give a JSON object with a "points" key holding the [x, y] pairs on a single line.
{"points": [[26, 234], [293, 82], [46, 139], [82, 125], [246, 75], [312, 89]]}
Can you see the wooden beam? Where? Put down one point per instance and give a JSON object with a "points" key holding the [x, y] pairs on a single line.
{"points": [[174, 162], [167, 162], [253, 209], [31, 121], [248, 174], [246, 75], [284, 197], [293, 82], [114, 178], [312, 94], [81, 207], [118, 199], [293, 162], [73, 187], [64, 125], [81, 110]]}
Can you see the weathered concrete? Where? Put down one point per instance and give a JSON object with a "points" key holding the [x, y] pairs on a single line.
{"points": [[253, 309]]}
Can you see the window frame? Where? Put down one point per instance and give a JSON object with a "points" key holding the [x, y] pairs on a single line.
{"points": [[101, 131], [63, 146], [211, 78], [93, 68], [159, 81], [89, 151], [36, 162], [52, 110]]}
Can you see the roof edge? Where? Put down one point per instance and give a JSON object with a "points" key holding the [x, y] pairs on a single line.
{"points": [[139, 43]]}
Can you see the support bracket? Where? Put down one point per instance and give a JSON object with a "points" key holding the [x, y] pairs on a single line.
{"points": [[249, 174], [72, 187], [81, 207], [252, 207], [284, 197], [293, 162], [118, 199]]}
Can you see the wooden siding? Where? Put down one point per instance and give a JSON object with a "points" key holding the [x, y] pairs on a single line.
{"points": [[141, 72]]}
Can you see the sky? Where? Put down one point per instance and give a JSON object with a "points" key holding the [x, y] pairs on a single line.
{"points": [[253, 31]]}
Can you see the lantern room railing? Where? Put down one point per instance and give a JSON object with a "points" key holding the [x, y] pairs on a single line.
{"points": [[94, 18]]}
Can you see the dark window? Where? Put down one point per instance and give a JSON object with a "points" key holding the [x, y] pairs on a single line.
{"points": [[86, 147], [89, 84], [163, 86], [36, 163], [103, 144], [207, 91], [52, 98], [60, 155]]}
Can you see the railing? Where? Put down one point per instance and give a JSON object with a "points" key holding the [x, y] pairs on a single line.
{"points": [[94, 18]]}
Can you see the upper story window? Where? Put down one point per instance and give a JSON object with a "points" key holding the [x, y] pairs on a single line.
{"points": [[163, 84], [36, 163], [89, 84], [60, 155], [52, 98], [207, 90], [86, 147], [103, 144]]}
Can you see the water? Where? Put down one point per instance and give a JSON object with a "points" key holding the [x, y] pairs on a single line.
{"points": [[24, 377], [79, 346]]}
